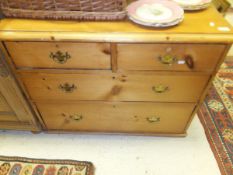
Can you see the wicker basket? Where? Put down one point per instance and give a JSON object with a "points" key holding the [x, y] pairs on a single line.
{"points": [[65, 9]]}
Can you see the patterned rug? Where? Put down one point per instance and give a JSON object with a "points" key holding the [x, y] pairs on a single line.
{"points": [[216, 116], [25, 166]]}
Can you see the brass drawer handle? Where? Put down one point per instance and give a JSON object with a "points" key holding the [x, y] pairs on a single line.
{"points": [[76, 117], [68, 88], [167, 59], [189, 61], [160, 88], [153, 119], [60, 57]]}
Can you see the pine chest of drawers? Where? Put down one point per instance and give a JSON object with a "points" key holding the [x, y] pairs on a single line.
{"points": [[116, 77]]}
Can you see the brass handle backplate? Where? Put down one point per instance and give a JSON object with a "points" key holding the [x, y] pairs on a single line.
{"points": [[167, 59], [60, 57], [76, 117], [68, 88], [160, 88], [153, 119]]}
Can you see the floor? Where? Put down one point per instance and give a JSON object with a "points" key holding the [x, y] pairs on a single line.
{"points": [[118, 154]]}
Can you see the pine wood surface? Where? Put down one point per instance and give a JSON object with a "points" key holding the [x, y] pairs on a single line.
{"points": [[3, 104], [209, 83], [115, 72], [115, 87], [146, 56], [196, 27], [22, 126], [9, 117], [19, 113], [117, 117], [81, 55]]}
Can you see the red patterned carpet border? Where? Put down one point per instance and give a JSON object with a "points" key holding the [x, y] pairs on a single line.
{"points": [[216, 116]]}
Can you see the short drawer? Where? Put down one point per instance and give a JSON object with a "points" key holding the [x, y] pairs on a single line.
{"points": [[60, 55], [165, 87], [172, 57], [117, 117]]}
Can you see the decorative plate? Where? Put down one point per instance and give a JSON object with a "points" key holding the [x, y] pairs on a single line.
{"points": [[197, 7], [193, 4], [155, 13], [157, 24]]}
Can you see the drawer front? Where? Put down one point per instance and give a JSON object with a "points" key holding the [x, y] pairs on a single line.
{"points": [[117, 117], [172, 57], [159, 87], [60, 55]]}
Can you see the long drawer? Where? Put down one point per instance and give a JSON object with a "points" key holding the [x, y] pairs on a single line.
{"points": [[117, 117], [60, 55], [161, 87], [172, 57]]}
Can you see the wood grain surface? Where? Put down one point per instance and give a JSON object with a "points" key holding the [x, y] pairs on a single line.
{"points": [[117, 117], [147, 56], [201, 26], [79, 55], [115, 87]]}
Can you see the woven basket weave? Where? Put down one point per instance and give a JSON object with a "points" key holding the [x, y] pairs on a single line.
{"points": [[65, 9]]}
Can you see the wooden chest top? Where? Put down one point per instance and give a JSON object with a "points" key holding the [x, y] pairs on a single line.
{"points": [[201, 27]]}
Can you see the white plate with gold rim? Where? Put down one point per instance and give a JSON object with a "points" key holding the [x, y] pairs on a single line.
{"points": [[155, 13], [193, 4]]}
